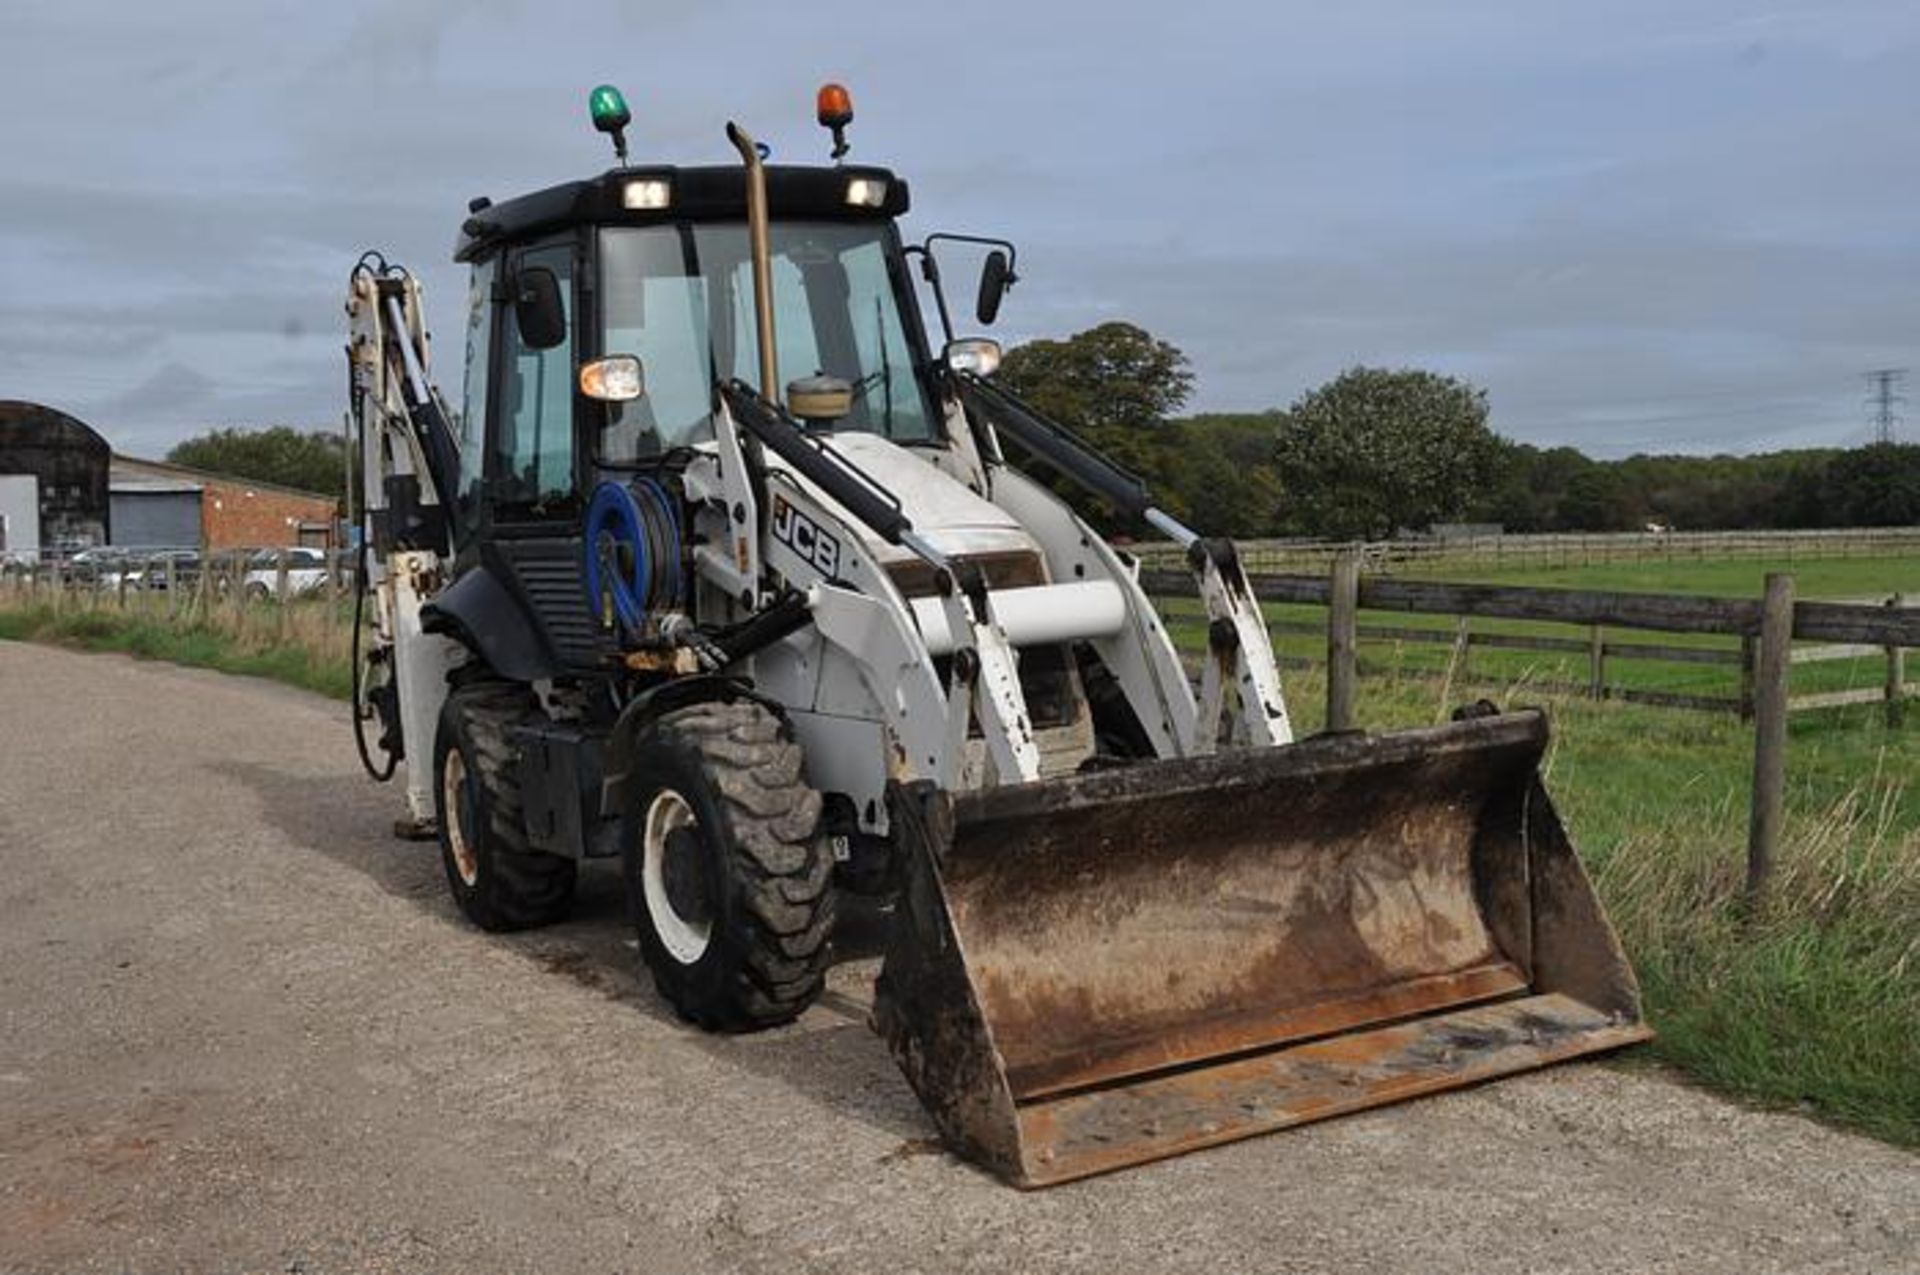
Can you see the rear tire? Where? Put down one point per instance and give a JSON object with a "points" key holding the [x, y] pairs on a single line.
{"points": [[498, 883], [728, 877]]}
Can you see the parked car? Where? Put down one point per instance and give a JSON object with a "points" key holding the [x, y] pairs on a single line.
{"points": [[152, 572], [98, 568], [306, 572]]}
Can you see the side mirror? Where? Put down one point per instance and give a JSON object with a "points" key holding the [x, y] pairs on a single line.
{"points": [[538, 309], [995, 279], [977, 355]]}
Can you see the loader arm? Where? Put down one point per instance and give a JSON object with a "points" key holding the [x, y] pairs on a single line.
{"points": [[984, 680], [1240, 694]]}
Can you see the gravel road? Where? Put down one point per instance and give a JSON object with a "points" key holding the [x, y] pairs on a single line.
{"points": [[242, 1029]]}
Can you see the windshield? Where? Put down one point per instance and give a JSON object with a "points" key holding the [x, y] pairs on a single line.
{"points": [[681, 298]]}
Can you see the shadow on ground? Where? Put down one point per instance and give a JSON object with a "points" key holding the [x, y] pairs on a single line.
{"points": [[830, 1057]]}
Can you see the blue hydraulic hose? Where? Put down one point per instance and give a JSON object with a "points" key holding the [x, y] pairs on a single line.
{"points": [[614, 511], [665, 572]]}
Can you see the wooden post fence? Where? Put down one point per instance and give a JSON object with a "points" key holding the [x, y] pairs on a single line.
{"points": [[1343, 640], [1896, 673], [1770, 732]]}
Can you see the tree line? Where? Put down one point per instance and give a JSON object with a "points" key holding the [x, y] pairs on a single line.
{"points": [[1376, 452], [1372, 453]]}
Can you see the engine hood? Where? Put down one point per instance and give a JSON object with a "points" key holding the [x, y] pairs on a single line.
{"points": [[951, 517]]}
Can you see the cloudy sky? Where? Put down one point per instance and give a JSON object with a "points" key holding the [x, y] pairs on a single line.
{"points": [[1640, 225]]}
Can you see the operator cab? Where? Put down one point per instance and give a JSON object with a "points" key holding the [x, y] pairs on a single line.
{"points": [[603, 315]]}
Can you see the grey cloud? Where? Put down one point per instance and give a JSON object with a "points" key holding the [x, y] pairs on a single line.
{"points": [[1638, 224]]}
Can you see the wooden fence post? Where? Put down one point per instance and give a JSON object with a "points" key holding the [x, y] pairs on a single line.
{"points": [[1749, 653], [1896, 674], [1343, 622], [1597, 663], [1770, 732], [281, 593]]}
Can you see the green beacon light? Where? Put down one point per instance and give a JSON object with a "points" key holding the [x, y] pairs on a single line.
{"points": [[610, 115]]}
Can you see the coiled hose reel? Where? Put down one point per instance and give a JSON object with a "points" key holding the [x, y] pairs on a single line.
{"points": [[633, 570]]}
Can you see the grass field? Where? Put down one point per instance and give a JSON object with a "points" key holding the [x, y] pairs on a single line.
{"points": [[1813, 1003]]}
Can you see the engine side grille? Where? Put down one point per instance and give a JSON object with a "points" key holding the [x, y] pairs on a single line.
{"points": [[550, 574]]}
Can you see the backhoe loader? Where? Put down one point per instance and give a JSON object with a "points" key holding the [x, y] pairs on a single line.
{"points": [[765, 643]]}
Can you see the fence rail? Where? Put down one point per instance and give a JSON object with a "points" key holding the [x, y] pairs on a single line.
{"points": [[1562, 549], [1766, 628], [1850, 629]]}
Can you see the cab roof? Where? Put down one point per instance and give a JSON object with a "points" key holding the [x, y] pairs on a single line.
{"points": [[715, 193]]}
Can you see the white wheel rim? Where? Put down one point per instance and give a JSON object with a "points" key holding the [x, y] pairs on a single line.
{"points": [[453, 799], [686, 941]]}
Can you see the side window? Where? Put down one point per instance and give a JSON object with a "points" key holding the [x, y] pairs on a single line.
{"points": [[473, 419], [533, 454]]}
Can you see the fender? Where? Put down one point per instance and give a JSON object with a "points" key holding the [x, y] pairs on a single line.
{"points": [[649, 706], [479, 611]]}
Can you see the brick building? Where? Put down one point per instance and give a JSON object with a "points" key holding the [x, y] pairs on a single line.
{"points": [[157, 504]]}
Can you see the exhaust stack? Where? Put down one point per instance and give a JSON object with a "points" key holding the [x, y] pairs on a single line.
{"points": [[757, 244]]}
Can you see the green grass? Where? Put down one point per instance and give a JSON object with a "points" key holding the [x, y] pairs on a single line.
{"points": [[157, 636]]}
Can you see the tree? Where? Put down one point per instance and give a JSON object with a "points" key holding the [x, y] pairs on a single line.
{"points": [[1875, 486], [1375, 450], [1114, 385], [1596, 499], [1219, 476], [310, 461]]}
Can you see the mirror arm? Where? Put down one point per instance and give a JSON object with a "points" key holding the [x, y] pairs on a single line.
{"points": [[930, 271]]}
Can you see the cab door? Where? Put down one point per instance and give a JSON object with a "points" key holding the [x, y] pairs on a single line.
{"points": [[533, 464]]}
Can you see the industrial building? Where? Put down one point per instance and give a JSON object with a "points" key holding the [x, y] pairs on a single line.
{"points": [[157, 504], [62, 488], [53, 481]]}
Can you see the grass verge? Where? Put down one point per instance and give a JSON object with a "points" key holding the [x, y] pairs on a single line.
{"points": [[313, 666]]}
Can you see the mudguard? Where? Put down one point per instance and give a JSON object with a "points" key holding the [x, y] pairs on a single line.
{"points": [[481, 612]]}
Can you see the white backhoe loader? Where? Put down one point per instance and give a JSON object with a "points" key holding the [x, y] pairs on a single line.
{"points": [[765, 642]]}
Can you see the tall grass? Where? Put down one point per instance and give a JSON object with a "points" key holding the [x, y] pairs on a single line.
{"points": [[304, 643]]}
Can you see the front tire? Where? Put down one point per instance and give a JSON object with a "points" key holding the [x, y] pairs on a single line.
{"points": [[497, 881], [729, 879]]}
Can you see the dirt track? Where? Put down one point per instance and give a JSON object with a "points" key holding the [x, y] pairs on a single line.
{"points": [[241, 1029]]}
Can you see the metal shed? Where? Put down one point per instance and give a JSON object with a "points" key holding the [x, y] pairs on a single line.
{"points": [[68, 462]]}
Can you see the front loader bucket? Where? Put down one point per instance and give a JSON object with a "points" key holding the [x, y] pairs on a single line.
{"points": [[1096, 971]]}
